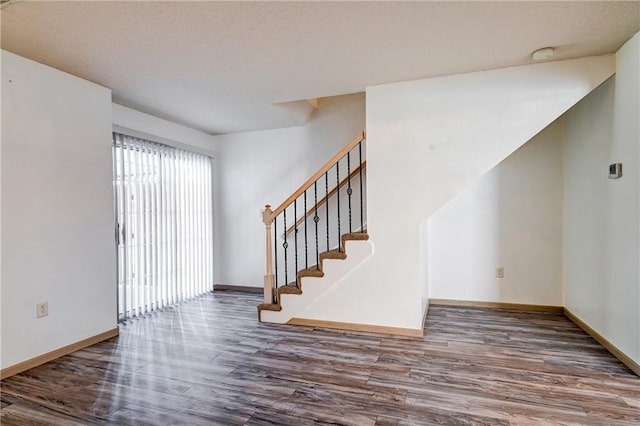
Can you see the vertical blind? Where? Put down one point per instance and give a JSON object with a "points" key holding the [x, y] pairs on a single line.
{"points": [[164, 224]]}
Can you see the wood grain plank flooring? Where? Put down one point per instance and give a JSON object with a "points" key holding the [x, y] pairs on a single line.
{"points": [[209, 362]]}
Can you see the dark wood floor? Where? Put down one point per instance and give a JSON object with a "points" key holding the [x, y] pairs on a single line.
{"points": [[209, 362]]}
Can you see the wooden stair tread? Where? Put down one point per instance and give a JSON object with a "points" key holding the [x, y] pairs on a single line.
{"points": [[355, 236], [275, 307], [310, 272], [288, 289], [333, 254], [269, 307]]}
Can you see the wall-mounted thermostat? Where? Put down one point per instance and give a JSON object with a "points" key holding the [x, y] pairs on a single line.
{"points": [[615, 170]]}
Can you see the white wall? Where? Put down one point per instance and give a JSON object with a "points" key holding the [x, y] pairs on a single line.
{"points": [[602, 215], [265, 167], [145, 126], [57, 209], [427, 140], [511, 217]]}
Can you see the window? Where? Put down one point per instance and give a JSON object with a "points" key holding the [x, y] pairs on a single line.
{"points": [[164, 224]]}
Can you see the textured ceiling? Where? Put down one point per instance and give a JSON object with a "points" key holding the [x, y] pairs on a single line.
{"points": [[221, 66]]}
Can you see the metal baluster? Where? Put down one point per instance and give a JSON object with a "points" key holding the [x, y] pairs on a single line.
{"points": [[316, 219], [360, 172], [295, 236], [275, 253], [338, 200], [306, 250], [349, 191], [326, 203], [285, 245]]}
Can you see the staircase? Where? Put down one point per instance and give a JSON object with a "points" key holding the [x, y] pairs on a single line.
{"points": [[436, 137], [327, 218]]}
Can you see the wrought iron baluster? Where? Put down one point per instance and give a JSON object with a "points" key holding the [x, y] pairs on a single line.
{"points": [[285, 245], [360, 173], [295, 236], [349, 190], [326, 203], [316, 219], [306, 250], [338, 200]]}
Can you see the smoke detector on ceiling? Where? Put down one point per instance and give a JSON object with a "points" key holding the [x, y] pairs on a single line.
{"points": [[542, 54]]}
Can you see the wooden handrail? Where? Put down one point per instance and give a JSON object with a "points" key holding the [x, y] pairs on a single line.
{"points": [[326, 197], [348, 147]]}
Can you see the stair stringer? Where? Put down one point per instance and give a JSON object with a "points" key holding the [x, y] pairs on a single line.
{"points": [[335, 270]]}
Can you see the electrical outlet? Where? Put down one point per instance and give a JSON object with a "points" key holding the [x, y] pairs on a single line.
{"points": [[499, 272], [42, 309]]}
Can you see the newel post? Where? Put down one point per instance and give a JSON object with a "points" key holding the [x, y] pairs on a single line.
{"points": [[269, 280]]}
